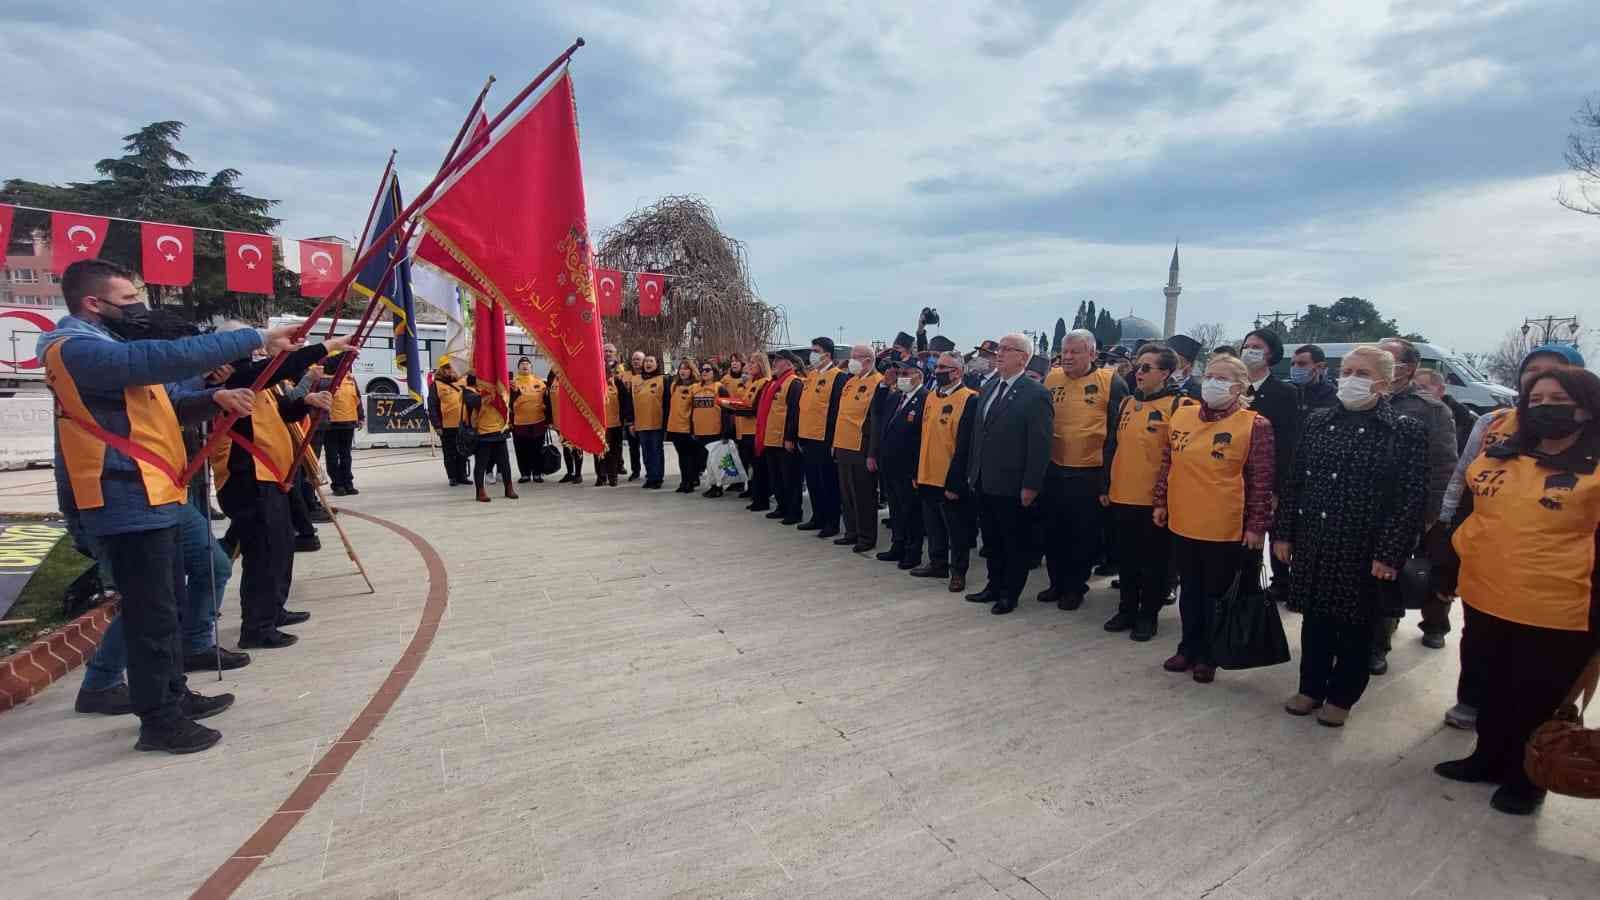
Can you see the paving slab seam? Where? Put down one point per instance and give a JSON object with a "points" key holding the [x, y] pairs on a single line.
{"points": [[229, 876]]}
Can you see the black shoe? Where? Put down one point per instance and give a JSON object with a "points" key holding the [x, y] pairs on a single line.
{"points": [[1003, 607], [812, 525], [1069, 602], [984, 551], [1466, 771], [198, 706], [931, 570], [759, 507], [182, 736], [269, 639], [112, 701], [1116, 584], [1049, 595], [1433, 641], [337, 491], [893, 554], [910, 562], [634, 476], [1378, 665], [1171, 599], [775, 514], [524, 479], [1516, 801], [652, 485], [320, 516], [1106, 569], [987, 595], [1119, 622], [207, 660], [307, 543], [351, 491], [826, 533], [218, 515], [863, 548], [1143, 630], [290, 617], [538, 479], [791, 520], [848, 540], [684, 487]]}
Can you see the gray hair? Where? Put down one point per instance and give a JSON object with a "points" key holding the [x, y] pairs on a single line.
{"points": [[952, 357], [1022, 341], [1382, 360], [861, 348], [1084, 335]]}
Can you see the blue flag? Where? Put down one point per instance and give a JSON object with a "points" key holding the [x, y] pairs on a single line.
{"points": [[396, 295]]}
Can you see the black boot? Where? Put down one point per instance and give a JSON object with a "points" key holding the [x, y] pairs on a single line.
{"points": [[181, 736]]}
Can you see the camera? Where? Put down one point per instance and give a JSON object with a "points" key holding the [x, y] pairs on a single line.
{"points": [[930, 316]]}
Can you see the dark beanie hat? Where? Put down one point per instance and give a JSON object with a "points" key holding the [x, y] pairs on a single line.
{"points": [[1185, 346], [904, 340], [825, 343], [1038, 365], [1274, 344], [941, 344]]}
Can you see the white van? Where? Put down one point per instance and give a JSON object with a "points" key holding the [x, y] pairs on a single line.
{"points": [[1470, 387]]}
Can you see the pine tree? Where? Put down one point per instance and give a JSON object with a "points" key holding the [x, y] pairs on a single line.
{"points": [[1061, 333], [1090, 317], [1077, 321]]}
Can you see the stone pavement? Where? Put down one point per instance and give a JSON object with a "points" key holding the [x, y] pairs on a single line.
{"points": [[641, 694]]}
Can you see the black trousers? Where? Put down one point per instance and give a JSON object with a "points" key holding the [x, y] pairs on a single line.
{"points": [[905, 512], [491, 451], [150, 576], [1334, 660], [261, 523], [691, 457], [609, 465], [574, 460], [633, 453], [1145, 552], [858, 501], [1532, 669], [1435, 616], [1208, 569], [528, 443], [760, 488], [784, 475], [1007, 539], [455, 465], [822, 482], [949, 525], [336, 444], [1071, 531], [299, 509]]}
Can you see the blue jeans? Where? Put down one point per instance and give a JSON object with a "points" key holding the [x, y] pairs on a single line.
{"points": [[206, 570], [655, 458]]}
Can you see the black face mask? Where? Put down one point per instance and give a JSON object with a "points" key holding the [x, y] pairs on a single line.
{"points": [[132, 322], [945, 379], [1552, 423]]}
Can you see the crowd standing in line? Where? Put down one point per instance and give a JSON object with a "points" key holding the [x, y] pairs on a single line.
{"points": [[1177, 479]]}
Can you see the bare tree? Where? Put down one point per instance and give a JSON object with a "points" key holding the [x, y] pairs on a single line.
{"points": [[1209, 334], [1583, 157]]}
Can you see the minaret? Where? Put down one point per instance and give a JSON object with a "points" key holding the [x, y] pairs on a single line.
{"points": [[1172, 290]]}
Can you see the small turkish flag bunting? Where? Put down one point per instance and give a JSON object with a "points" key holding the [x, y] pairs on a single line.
{"points": [[168, 254], [6, 213], [608, 291], [74, 237], [249, 259], [650, 286], [321, 267]]}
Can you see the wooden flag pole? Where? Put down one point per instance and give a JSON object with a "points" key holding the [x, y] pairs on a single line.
{"points": [[314, 472], [383, 183]]}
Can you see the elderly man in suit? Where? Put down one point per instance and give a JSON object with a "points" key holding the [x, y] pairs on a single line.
{"points": [[1008, 453]]}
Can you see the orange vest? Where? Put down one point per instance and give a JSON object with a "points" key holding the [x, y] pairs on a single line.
{"points": [[854, 404], [529, 407], [706, 419], [152, 424], [1079, 439], [731, 382], [778, 416], [941, 422], [1527, 549], [613, 405], [449, 403], [1205, 486], [678, 417], [745, 426], [814, 403], [1500, 428], [346, 402], [270, 435], [488, 419], [647, 402], [1141, 436]]}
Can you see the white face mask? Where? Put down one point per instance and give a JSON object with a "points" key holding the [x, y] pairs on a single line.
{"points": [[1216, 392], [979, 366], [903, 385], [1355, 393], [855, 366], [816, 359], [1253, 357]]}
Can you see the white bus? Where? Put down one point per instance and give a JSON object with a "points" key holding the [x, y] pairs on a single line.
{"points": [[375, 371]]}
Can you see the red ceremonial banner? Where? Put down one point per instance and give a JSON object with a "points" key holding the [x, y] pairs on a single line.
{"points": [[608, 291], [168, 254], [489, 351], [514, 220], [6, 212], [249, 258], [73, 237], [650, 287], [321, 267]]}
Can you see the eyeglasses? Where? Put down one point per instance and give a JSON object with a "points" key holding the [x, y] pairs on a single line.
{"points": [[1005, 349], [1146, 368], [706, 371]]}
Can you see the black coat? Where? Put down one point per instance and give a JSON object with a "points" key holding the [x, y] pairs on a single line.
{"points": [[1278, 401], [1355, 492], [900, 435], [1010, 445]]}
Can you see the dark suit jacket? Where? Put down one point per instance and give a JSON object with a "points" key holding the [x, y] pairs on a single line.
{"points": [[1278, 401], [900, 440], [1009, 447]]}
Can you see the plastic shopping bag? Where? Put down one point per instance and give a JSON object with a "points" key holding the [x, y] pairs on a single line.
{"points": [[722, 464]]}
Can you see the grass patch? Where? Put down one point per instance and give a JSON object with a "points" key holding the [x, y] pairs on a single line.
{"points": [[42, 598]]}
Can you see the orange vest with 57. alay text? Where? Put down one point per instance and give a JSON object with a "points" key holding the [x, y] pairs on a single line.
{"points": [[813, 424], [941, 422], [706, 419], [748, 395], [613, 405], [1527, 549], [647, 402], [271, 437], [346, 402], [1500, 428], [1079, 439], [529, 406], [449, 403], [854, 405], [488, 418], [679, 419], [1142, 427], [1205, 486], [778, 416], [152, 424]]}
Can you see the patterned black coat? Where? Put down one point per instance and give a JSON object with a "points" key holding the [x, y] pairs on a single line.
{"points": [[1356, 493]]}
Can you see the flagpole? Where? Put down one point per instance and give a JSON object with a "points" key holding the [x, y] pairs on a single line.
{"points": [[226, 420], [377, 197]]}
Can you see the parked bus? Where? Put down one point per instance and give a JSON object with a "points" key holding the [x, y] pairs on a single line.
{"points": [[20, 327], [375, 371]]}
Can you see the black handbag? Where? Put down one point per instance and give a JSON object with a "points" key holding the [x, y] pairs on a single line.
{"points": [[549, 459], [467, 438], [1246, 632]]}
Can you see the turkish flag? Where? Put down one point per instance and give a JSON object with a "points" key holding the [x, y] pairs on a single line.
{"points": [[6, 212], [515, 217], [321, 267], [168, 254], [608, 291], [650, 286], [74, 237], [249, 259]]}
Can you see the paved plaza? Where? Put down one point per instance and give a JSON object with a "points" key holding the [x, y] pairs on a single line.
{"points": [[639, 694]]}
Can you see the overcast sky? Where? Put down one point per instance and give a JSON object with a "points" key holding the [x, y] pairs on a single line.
{"points": [[1000, 161]]}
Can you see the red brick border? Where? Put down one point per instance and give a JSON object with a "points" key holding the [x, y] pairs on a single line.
{"points": [[41, 663]]}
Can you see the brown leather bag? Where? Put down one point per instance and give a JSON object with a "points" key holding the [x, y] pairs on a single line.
{"points": [[1563, 756]]}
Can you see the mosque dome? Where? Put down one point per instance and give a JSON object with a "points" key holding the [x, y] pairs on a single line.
{"points": [[1136, 331]]}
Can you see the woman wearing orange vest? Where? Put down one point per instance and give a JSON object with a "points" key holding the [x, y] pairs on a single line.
{"points": [[529, 418], [948, 517], [488, 408], [706, 419], [652, 391], [445, 410], [680, 425], [618, 413], [1527, 549], [1142, 435], [1215, 493], [752, 382], [777, 426], [343, 420]]}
